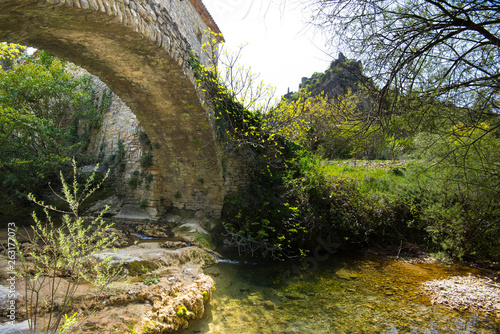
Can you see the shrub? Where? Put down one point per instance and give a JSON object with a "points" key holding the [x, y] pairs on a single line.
{"points": [[147, 160], [134, 181], [68, 249], [151, 280], [283, 215]]}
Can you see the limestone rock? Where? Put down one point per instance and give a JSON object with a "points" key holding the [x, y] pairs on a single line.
{"points": [[465, 293], [132, 212], [174, 309], [114, 206], [346, 274], [174, 244], [172, 218], [212, 271], [207, 223], [88, 169], [269, 305], [294, 295], [124, 239], [191, 230], [155, 230]]}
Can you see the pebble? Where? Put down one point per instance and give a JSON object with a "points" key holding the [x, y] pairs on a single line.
{"points": [[269, 305], [465, 293]]}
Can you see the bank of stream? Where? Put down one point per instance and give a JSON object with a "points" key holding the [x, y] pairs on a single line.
{"points": [[343, 295]]}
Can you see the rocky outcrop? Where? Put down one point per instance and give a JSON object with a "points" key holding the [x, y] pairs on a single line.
{"points": [[113, 205], [342, 76], [175, 308], [176, 297], [155, 230], [164, 291]]}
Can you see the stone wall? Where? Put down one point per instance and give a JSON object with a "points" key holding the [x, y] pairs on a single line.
{"points": [[177, 26], [141, 50], [120, 124]]}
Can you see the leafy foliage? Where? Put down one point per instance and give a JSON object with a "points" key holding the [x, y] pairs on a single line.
{"points": [[239, 133], [319, 123], [151, 280], [67, 250], [47, 116], [290, 200], [463, 209], [332, 115], [10, 54]]}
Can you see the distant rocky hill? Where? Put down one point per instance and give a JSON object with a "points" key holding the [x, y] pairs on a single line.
{"points": [[342, 75]]}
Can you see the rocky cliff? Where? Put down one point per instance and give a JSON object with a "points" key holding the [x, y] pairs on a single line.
{"points": [[343, 75]]}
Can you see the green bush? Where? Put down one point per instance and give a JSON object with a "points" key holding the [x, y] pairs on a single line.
{"points": [[69, 249], [147, 160], [46, 116], [134, 181], [283, 214], [293, 197]]}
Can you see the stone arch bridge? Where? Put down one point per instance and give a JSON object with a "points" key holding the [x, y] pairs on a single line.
{"points": [[140, 49]]}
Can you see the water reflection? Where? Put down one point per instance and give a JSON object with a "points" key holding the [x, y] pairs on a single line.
{"points": [[342, 296]]}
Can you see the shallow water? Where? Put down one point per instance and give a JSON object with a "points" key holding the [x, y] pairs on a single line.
{"points": [[339, 296]]}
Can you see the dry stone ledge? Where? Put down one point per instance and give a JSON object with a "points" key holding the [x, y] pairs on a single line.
{"points": [[133, 212]]}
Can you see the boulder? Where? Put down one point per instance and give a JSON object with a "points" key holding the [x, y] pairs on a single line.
{"points": [[114, 206], [154, 230]]}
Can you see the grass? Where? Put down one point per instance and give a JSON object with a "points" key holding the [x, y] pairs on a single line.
{"points": [[151, 280], [371, 176]]}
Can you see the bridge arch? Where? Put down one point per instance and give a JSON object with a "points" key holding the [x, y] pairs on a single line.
{"points": [[140, 49]]}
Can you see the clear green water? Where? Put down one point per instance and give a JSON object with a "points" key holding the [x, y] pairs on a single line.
{"points": [[340, 296]]}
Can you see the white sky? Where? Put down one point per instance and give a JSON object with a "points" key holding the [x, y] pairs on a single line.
{"points": [[280, 46]]}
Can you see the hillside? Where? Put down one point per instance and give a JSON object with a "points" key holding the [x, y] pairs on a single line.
{"points": [[342, 74]]}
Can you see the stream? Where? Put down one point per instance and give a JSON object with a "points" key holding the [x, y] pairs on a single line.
{"points": [[339, 295], [343, 295]]}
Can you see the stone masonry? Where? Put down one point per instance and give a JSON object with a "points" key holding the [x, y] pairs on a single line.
{"points": [[141, 50]]}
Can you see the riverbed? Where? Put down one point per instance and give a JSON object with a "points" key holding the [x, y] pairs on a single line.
{"points": [[342, 295]]}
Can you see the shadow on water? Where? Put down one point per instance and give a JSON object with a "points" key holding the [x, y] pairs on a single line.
{"points": [[344, 295]]}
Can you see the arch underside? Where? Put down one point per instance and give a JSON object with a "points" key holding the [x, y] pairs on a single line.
{"points": [[147, 78]]}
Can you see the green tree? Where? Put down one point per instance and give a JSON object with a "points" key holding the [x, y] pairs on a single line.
{"points": [[446, 49], [330, 126], [462, 213], [47, 116], [438, 66], [426, 55]]}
